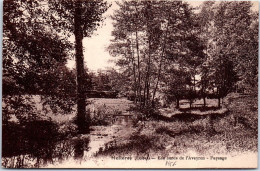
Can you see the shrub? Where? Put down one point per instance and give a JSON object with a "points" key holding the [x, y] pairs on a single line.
{"points": [[103, 115]]}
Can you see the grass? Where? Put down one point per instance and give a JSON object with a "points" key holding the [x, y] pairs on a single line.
{"points": [[196, 111], [136, 145], [178, 134], [235, 132]]}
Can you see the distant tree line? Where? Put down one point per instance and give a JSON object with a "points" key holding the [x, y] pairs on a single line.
{"points": [[169, 49]]}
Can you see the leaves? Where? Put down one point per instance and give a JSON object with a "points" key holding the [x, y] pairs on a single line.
{"points": [[62, 15], [225, 28], [149, 33], [36, 47]]}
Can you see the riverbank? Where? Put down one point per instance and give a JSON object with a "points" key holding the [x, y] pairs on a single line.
{"points": [[234, 132], [121, 135]]}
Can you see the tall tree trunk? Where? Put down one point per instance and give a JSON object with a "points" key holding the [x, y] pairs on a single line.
{"points": [[144, 96], [148, 75], [218, 91], [204, 101], [134, 71], [138, 67], [82, 122], [160, 65], [150, 33], [177, 103], [148, 88], [194, 83], [138, 59], [157, 82], [135, 84], [190, 98]]}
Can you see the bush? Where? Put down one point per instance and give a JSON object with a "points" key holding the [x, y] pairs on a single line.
{"points": [[29, 138], [103, 115]]}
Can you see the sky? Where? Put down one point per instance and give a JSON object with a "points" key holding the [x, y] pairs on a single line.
{"points": [[95, 54], [96, 57]]}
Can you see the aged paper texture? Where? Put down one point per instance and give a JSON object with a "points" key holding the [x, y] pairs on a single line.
{"points": [[130, 84]]}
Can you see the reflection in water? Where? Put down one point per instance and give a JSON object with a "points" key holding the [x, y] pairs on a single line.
{"points": [[80, 146], [79, 149], [39, 144], [56, 153]]}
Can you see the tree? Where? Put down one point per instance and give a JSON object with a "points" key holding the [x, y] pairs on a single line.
{"points": [[225, 28], [206, 27], [101, 81], [177, 85], [36, 34], [79, 18], [28, 46], [224, 76], [205, 82], [127, 42], [147, 35], [34, 61], [237, 18]]}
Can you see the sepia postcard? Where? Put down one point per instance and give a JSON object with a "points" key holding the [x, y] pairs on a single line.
{"points": [[130, 84]]}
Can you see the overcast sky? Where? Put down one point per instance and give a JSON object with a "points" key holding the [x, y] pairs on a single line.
{"points": [[95, 54]]}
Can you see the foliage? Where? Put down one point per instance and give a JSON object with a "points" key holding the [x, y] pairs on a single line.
{"points": [[177, 86], [149, 37], [79, 18], [19, 106], [34, 59], [226, 28], [62, 15], [36, 48]]}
